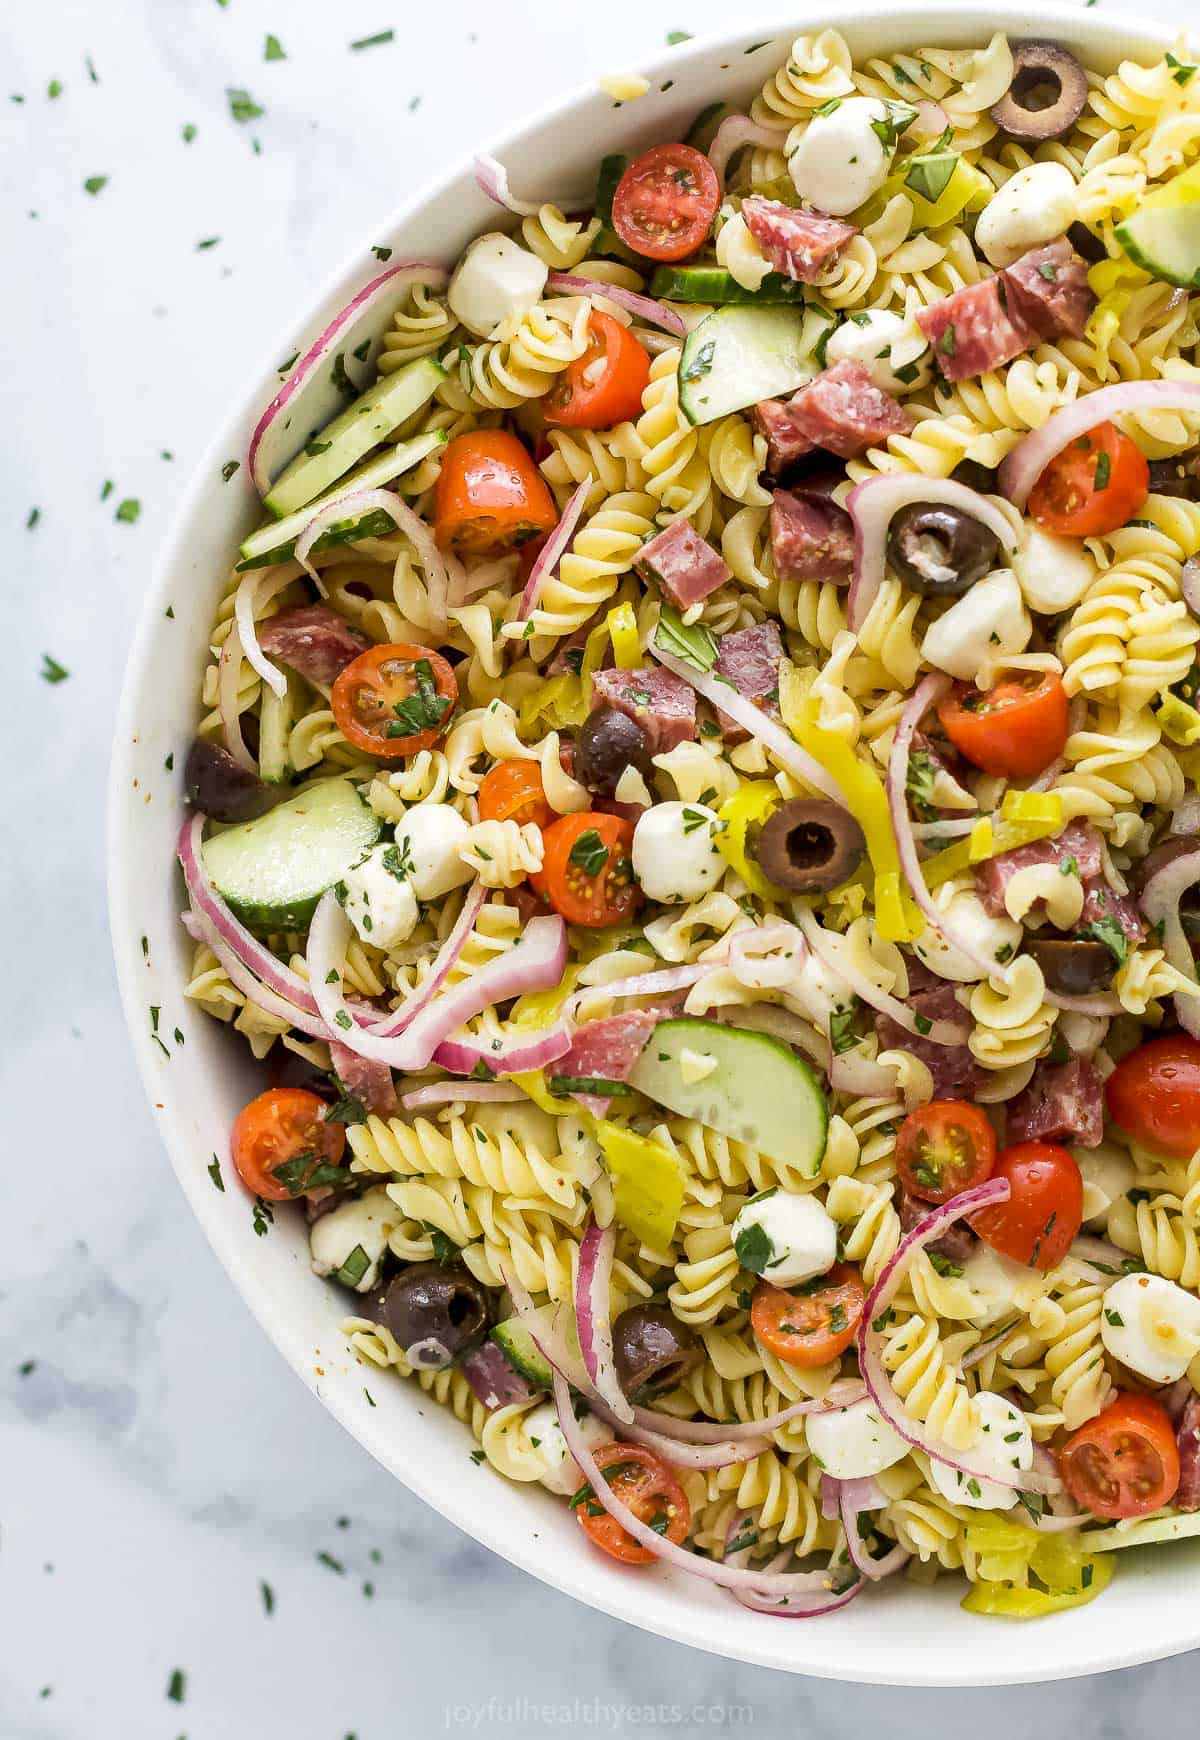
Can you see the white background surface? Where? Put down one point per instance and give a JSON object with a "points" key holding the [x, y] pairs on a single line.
{"points": [[158, 1463]]}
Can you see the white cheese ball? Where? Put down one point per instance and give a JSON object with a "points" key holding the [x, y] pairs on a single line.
{"points": [[852, 1443], [1053, 573], [1035, 205], [840, 160], [674, 852], [998, 938], [989, 622], [785, 1238], [1001, 1288], [1107, 1173], [363, 1224], [1152, 1326], [429, 839], [379, 903], [883, 343], [1005, 1443], [496, 280], [560, 1471]]}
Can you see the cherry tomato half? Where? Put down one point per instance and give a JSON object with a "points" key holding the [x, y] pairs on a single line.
{"points": [[1125, 1462], [604, 386], [490, 495], [1015, 729], [394, 700], [811, 1324], [665, 202], [273, 1132], [513, 791], [1154, 1094], [1093, 486], [587, 872], [648, 1487], [943, 1148], [1038, 1223]]}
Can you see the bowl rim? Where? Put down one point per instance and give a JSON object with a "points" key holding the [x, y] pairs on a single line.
{"points": [[123, 869]]}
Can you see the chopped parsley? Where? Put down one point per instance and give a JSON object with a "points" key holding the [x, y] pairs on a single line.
{"points": [[700, 364], [695, 645], [52, 671], [263, 1217], [1182, 71], [346, 1109], [922, 1023], [188, 132], [330, 1563], [943, 1266], [95, 184], [693, 819], [129, 511], [208, 242], [242, 106], [308, 1171], [381, 253], [754, 1249], [589, 853], [273, 49], [922, 772], [1114, 1318], [1049, 271], [177, 1686], [228, 469], [1103, 471], [674, 36], [354, 1268], [946, 342], [929, 176], [376, 41], [1109, 932], [268, 1598], [423, 710], [843, 1028]]}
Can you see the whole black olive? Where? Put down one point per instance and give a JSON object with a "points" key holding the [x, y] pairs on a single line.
{"points": [[609, 741], [1047, 93], [1179, 476], [940, 551], [434, 1311], [1074, 966], [652, 1351], [809, 845], [222, 788], [1086, 244]]}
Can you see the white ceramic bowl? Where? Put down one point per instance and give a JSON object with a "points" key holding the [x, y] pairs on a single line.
{"points": [[901, 1634]]}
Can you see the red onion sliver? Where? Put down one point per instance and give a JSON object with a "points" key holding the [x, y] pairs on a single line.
{"points": [[228, 671], [243, 614], [440, 1093], [461, 1053], [643, 307], [1099, 1006], [491, 178], [593, 1317], [439, 568], [1160, 903], [940, 1033], [855, 1497], [734, 132], [550, 554], [443, 964], [646, 984], [826, 1591], [1030, 457], [842, 1394], [853, 1072], [239, 975], [872, 506], [720, 1453]]}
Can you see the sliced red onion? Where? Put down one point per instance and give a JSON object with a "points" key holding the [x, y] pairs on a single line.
{"points": [[873, 505], [853, 1072], [239, 975], [277, 437], [461, 1053], [734, 132], [643, 307], [720, 1453], [593, 1317], [931, 122], [243, 615], [654, 984], [940, 1033], [879, 1384], [1099, 1006], [1047, 779], [980, 1352], [842, 1394], [826, 1592], [1099, 1251], [947, 830], [855, 1497], [440, 1093], [1160, 903], [491, 178], [496, 1382], [769, 732], [1030, 457], [440, 568], [751, 949], [551, 552], [228, 667], [443, 964]]}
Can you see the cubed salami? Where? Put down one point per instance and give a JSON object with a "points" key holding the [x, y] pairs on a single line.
{"points": [[812, 538], [956, 1075], [956, 1244], [1102, 903], [786, 442], [971, 331], [1077, 847], [662, 703], [750, 660], [1188, 1441], [365, 1078], [1062, 1102], [800, 244], [844, 411], [682, 563], [1048, 289], [313, 640], [607, 1049]]}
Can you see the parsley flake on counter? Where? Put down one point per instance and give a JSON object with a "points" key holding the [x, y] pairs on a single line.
{"points": [[208, 242], [188, 132], [128, 511], [674, 36], [273, 49], [242, 106], [54, 89], [327, 1559], [268, 1598], [94, 183], [376, 41], [52, 671], [177, 1686], [106, 488], [32, 518]]}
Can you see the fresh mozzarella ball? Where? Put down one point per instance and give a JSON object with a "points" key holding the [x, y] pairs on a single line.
{"points": [[988, 622], [883, 342], [1005, 1443], [840, 160], [1152, 1326], [361, 1224], [851, 1443], [674, 857], [1053, 573], [428, 840], [818, 992], [785, 1238], [379, 903], [1001, 1288], [1035, 205], [495, 280], [741, 255], [998, 938], [560, 1471], [1107, 1173]]}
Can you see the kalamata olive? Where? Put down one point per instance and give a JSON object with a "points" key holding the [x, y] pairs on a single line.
{"points": [[1179, 476], [609, 741], [940, 551], [1047, 93], [652, 1350], [1086, 244], [809, 845], [976, 476], [1072, 965], [435, 1311], [222, 788]]}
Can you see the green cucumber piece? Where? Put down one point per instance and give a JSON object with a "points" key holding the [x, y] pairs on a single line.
{"points": [[1163, 235], [273, 871], [703, 129], [712, 284], [376, 524], [516, 1343], [760, 1092], [276, 716], [612, 168], [332, 452], [277, 540], [1142, 1534], [737, 356]]}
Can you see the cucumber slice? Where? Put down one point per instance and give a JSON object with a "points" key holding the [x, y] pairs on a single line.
{"points": [[277, 715], [1163, 235], [714, 285], [273, 871], [759, 1092], [278, 539], [376, 524], [516, 1343], [351, 436], [737, 356], [1142, 1534]]}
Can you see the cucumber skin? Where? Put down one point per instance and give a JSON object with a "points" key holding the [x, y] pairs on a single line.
{"points": [[1133, 249], [295, 911], [526, 1360], [722, 290], [372, 525]]}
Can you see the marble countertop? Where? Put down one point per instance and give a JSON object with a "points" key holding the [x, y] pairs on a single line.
{"points": [[189, 1546]]}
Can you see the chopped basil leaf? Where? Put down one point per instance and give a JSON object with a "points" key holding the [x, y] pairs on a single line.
{"points": [[273, 49], [354, 1268], [929, 176], [695, 645], [1109, 932], [422, 711], [589, 853], [754, 1249], [1103, 471]]}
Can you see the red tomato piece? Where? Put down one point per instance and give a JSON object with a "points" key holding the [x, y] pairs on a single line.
{"points": [[944, 1148], [1125, 1462], [1093, 486], [604, 386], [513, 792], [1154, 1094], [490, 495], [587, 871], [1014, 729], [394, 700], [665, 202], [1041, 1218], [811, 1324], [647, 1486], [280, 1141]]}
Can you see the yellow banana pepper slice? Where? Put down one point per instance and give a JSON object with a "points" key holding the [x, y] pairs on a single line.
{"points": [[647, 1183], [740, 817], [623, 632]]}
